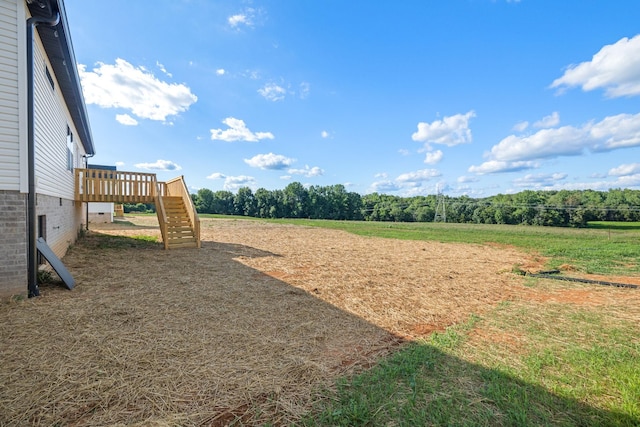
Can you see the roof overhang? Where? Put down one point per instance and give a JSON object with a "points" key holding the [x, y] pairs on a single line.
{"points": [[57, 45]]}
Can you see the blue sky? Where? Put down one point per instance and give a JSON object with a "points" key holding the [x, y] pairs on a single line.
{"points": [[471, 97]]}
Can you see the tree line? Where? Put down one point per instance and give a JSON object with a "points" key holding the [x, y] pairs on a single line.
{"points": [[549, 208]]}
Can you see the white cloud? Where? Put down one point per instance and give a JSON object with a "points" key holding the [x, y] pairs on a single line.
{"points": [[521, 126], [233, 183], [418, 176], [495, 166], [305, 90], [625, 170], [615, 68], [548, 121], [516, 153], [120, 164], [272, 92], [121, 85], [270, 161], [452, 130], [384, 187], [325, 134], [630, 181], [161, 165], [416, 191], [240, 19], [404, 151], [251, 74], [238, 131], [464, 179], [307, 171], [546, 143], [621, 131], [220, 71], [216, 175], [126, 120], [627, 181], [382, 175], [410, 183], [247, 17], [163, 69], [539, 180], [614, 132], [433, 157]]}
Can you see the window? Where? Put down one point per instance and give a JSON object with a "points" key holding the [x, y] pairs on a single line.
{"points": [[69, 149]]}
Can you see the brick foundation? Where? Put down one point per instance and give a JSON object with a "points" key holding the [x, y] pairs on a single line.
{"points": [[64, 219]]}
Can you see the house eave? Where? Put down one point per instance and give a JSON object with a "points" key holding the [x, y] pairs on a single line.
{"points": [[59, 50]]}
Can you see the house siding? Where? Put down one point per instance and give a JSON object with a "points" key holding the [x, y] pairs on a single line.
{"points": [[54, 180], [13, 204], [9, 96], [51, 121]]}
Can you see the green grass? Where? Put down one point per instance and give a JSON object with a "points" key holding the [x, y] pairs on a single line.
{"points": [[106, 241], [543, 375], [604, 248]]}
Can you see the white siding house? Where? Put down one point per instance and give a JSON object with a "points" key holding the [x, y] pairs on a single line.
{"points": [[61, 135]]}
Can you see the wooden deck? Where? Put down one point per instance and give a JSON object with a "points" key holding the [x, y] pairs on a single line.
{"points": [[98, 185], [177, 216]]}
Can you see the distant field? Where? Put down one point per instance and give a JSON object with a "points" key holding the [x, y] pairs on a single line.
{"points": [[603, 248], [608, 225]]}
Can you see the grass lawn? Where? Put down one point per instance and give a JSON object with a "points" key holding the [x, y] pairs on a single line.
{"points": [[527, 362], [522, 364]]}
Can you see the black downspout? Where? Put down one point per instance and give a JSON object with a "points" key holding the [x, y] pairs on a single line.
{"points": [[32, 260], [86, 165]]}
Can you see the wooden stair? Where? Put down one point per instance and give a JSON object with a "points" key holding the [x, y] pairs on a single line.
{"points": [[180, 230]]}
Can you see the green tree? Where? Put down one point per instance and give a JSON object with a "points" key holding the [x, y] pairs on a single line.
{"points": [[245, 202], [223, 202], [205, 201], [296, 201]]}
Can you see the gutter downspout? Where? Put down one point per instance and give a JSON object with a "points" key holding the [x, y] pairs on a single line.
{"points": [[32, 266], [86, 204]]}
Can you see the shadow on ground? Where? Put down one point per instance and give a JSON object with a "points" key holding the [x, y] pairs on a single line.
{"points": [[194, 337]]}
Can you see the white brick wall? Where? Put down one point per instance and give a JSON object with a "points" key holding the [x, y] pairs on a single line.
{"points": [[64, 221]]}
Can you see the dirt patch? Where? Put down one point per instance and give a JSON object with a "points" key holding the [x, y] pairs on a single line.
{"points": [[244, 329], [399, 286]]}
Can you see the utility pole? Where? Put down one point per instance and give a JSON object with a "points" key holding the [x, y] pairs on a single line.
{"points": [[441, 207]]}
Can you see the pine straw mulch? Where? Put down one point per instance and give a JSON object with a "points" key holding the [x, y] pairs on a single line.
{"points": [[246, 329]]}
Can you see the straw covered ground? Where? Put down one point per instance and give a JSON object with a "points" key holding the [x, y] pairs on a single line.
{"points": [[247, 328]]}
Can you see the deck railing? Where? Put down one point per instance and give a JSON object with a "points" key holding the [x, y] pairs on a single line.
{"points": [[177, 187], [99, 185], [161, 214]]}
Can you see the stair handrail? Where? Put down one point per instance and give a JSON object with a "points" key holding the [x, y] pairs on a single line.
{"points": [[179, 185], [162, 215]]}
